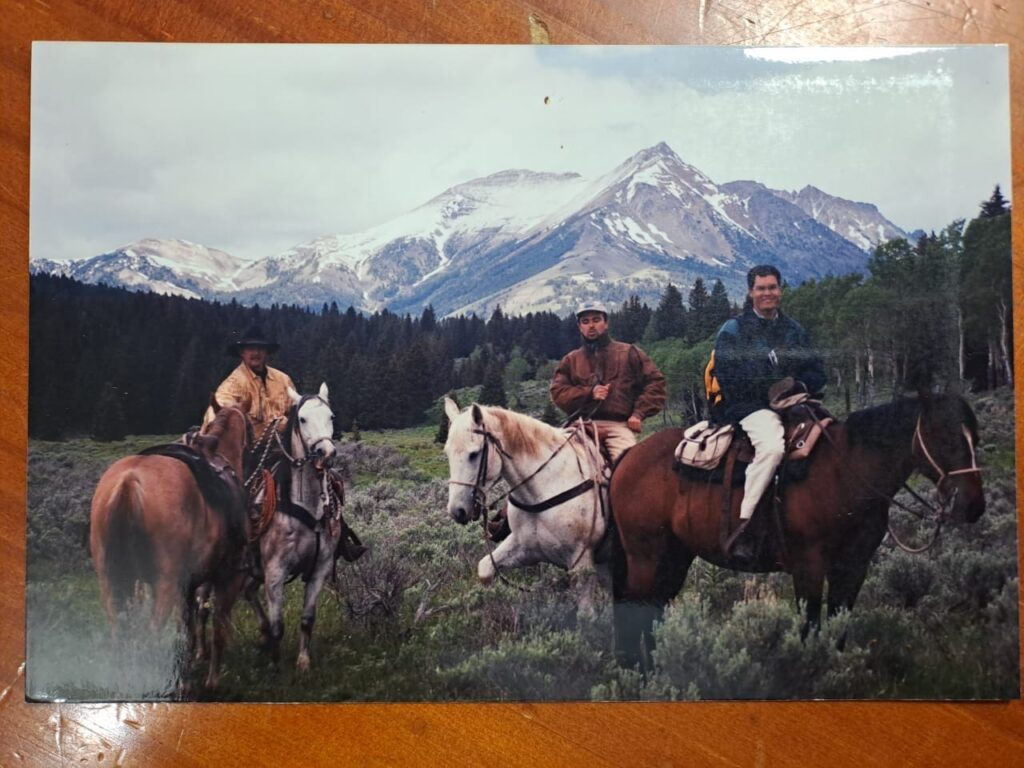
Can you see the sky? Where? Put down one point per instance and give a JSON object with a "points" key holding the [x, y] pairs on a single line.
{"points": [[253, 149]]}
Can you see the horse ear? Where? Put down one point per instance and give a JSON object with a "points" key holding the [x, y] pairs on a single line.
{"points": [[451, 410], [323, 393], [478, 415], [294, 396]]}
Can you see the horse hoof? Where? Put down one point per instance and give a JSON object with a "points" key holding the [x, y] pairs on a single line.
{"points": [[302, 664]]}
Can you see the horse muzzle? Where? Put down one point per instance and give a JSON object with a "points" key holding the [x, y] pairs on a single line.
{"points": [[459, 515], [323, 456], [966, 502]]}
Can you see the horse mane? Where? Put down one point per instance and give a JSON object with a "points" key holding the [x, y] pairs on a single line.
{"points": [[887, 426], [520, 433], [884, 426]]}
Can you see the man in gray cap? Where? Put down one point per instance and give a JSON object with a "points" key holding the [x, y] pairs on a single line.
{"points": [[614, 383], [261, 390]]}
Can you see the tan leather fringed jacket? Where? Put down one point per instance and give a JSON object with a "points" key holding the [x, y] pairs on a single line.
{"points": [[266, 400]]}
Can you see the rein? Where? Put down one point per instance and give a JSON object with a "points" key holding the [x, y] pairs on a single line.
{"points": [[480, 505]]}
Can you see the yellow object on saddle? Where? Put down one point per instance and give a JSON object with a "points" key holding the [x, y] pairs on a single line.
{"points": [[712, 389]]}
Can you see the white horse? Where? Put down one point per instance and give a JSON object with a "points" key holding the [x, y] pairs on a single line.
{"points": [[557, 478], [302, 536]]}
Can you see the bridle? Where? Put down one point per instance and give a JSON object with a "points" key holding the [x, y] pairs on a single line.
{"points": [[918, 439], [480, 489], [479, 485], [297, 462], [938, 511]]}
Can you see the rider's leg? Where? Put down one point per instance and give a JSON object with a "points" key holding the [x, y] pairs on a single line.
{"points": [[616, 437], [764, 428]]}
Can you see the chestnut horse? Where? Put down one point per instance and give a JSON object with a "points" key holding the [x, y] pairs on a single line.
{"points": [[151, 524], [831, 522]]}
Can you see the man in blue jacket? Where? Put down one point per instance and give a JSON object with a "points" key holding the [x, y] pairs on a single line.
{"points": [[752, 352]]}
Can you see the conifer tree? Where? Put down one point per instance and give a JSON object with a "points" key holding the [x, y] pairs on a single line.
{"points": [[699, 326], [670, 316], [996, 205], [493, 392]]}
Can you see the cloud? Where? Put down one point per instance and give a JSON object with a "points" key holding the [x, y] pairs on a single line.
{"points": [[255, 149], [811, 54]]}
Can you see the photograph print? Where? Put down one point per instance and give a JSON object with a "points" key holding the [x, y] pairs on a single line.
{"points": [[430, 373]]}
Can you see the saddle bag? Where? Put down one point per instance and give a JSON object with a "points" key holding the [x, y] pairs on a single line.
{"points": [[704, 444], [803, 418]]}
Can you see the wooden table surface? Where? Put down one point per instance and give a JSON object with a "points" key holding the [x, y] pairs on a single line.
{"points": [[768, 734]]}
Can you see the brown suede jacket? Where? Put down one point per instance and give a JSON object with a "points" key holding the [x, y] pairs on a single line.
{"points": [[637, 386]]}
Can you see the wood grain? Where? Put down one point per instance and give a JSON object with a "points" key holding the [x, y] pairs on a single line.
{"points": [[765, 734]]}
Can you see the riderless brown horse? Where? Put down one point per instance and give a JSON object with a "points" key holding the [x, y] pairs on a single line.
{"points": [[830, 523], [152, 524]]}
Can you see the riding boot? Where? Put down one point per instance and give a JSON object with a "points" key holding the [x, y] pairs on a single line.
{"points": [[349, 545], [744, 543], [497, 527]]}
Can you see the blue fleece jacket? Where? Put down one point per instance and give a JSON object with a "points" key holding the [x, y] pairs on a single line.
{"points": [[752, 353]]}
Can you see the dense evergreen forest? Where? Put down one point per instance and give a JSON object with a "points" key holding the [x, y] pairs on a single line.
{"points": [[106, 362]]}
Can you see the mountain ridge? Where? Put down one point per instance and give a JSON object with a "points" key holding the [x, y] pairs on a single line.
{"points": [[529, 241]]}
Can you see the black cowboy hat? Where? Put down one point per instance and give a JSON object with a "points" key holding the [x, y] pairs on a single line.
{"points": [[254, 337]]}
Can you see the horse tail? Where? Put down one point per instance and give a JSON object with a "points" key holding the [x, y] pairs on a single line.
{"points": [[128, 555]]}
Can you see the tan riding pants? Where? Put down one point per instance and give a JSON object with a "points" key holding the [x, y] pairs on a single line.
{"points": [[615, 436], [764, 428]]}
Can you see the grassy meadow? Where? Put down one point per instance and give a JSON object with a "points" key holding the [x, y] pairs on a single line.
{"points": [[409, 621]]}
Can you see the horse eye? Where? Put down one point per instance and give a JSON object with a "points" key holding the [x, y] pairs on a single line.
{"points": [[302, 420], [473, 454]]}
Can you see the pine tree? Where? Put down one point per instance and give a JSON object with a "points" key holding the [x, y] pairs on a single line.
{"points": [[718, 310], [699, 326], [995, 205], [670, 316], [493, 392], [629, 324]]}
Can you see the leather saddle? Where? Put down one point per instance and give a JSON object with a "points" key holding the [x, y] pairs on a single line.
{"points": [[217, 481], [803, 422]]}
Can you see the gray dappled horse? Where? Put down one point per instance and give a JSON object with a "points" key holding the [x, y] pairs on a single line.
{"points": [[302, 537]]}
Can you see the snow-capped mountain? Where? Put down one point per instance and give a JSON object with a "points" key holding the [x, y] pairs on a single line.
{"points": [[860, 223], [388, 263], [531, 241], [163, 266]]}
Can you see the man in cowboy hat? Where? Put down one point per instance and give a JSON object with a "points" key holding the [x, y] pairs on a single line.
{"points": [[261, 390], [614, 383]]}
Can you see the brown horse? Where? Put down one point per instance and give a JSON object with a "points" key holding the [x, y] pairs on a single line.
{"points": [[151, 524], [831, 522]]}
